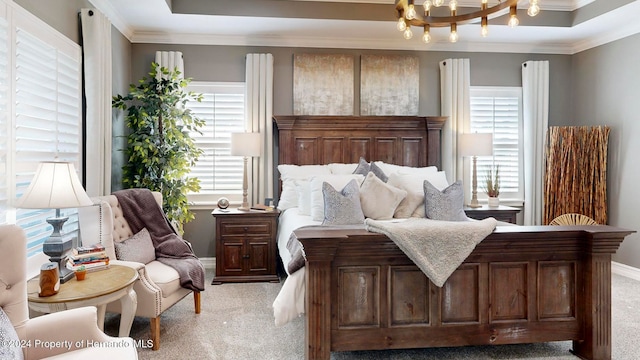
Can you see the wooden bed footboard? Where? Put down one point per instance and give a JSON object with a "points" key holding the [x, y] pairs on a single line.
{"points": [[519, 285]]}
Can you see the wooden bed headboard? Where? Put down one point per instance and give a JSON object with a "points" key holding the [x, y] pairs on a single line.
{"points": [[401, 140]]}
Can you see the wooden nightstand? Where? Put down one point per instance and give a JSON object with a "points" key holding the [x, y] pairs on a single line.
{"points": [[245, 246], [501, 213]]}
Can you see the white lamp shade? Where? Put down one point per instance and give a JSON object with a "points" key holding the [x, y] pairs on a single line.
{"points": [[245, 144], [55, 186], [475, 144]]}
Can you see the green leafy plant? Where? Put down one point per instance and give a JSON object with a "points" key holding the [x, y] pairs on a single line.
{"points": [[492, 182], [160, 152]]}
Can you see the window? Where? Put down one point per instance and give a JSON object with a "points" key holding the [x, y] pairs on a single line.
{"points": [[222, 108], [41, 118], [498, 110]]}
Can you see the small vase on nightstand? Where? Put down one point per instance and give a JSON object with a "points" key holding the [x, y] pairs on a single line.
{"points": [[494, 202]]}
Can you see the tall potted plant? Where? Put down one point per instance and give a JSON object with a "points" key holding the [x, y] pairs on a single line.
{"points": [[160, 152]]}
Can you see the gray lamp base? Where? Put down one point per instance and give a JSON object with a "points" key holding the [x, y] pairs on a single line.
{"points": [[65, 273], [56, 246]]}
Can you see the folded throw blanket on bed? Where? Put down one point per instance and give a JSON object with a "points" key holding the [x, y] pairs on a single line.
{"points": [[436, 247], [141, 210]]}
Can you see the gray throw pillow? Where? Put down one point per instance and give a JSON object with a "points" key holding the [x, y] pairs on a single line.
{"points": [[138, 248], [364, 168], [10, 348], [342, 207], [447, 205]]}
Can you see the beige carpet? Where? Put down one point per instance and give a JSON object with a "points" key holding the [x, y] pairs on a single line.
{"points": [[237, 323]]}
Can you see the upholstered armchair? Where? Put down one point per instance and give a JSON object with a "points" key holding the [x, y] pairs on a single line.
{"points": [[62, 335], [158, 287]]}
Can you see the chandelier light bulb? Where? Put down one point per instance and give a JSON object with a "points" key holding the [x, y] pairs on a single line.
{"points": [[427, 6], [426, 37], [513, 17], [411, 12], [534, 9], [408, 34], [484, 30], [453, 37], [402, 25], [453, 5], [438, 3], [484, 2], [513, 21]]}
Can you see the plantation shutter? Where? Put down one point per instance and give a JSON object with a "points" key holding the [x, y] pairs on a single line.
{"points": [[222, 109], [47, 124], [497, 111], [5, 129]]}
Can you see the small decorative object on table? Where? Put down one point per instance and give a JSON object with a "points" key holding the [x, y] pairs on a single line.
{"points": [[49, 283], [223, 203], [492, 186], [81, 272]]}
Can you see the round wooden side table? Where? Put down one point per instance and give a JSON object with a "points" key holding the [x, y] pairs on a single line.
{"points": [[98, 289]]}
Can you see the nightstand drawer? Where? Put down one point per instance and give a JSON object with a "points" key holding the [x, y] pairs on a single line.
{"points": [[253, 228]]}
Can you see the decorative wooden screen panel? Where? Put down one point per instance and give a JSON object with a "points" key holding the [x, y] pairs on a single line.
{"points": [[576, 174]]}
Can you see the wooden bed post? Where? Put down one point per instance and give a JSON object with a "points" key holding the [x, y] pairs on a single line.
{"points": [[597, 294], [318, 287]]}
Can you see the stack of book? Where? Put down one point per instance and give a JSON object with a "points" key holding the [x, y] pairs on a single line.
{"points": [[92, 257]]}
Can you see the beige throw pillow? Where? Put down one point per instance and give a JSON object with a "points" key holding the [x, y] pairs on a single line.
{"points": [[413, 204], [378, 199]]}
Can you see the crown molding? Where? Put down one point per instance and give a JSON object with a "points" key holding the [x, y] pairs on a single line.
{"points": [[315, 42], [625, 29]]}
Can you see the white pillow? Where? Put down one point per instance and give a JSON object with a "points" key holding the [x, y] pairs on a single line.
{"points": [[289, 174], [336, 181], [412, 205], [378, 199], [303, 188], [342, 169], [422, 171], [391, 169]]}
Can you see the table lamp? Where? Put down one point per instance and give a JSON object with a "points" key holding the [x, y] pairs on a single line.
{"points": [[56, 186], [247, 145], [475, 145]]}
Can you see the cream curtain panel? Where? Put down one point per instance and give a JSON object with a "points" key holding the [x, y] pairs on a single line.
{"points": [[96, 48], [259, 118], [170, 60], [455, 102], [535, 99]]}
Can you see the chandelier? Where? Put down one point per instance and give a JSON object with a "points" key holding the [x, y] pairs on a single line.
{"points": [[408, 16]]}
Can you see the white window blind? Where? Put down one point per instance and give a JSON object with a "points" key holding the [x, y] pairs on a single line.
{"points": [[497, 110], [42, 118], [222, 109]]}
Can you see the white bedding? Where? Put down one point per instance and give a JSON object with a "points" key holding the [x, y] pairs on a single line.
{"points": [[289, 303], [296, 190]]}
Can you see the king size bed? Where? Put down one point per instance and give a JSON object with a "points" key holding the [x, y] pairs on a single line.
{"points": [[518, 285]]}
